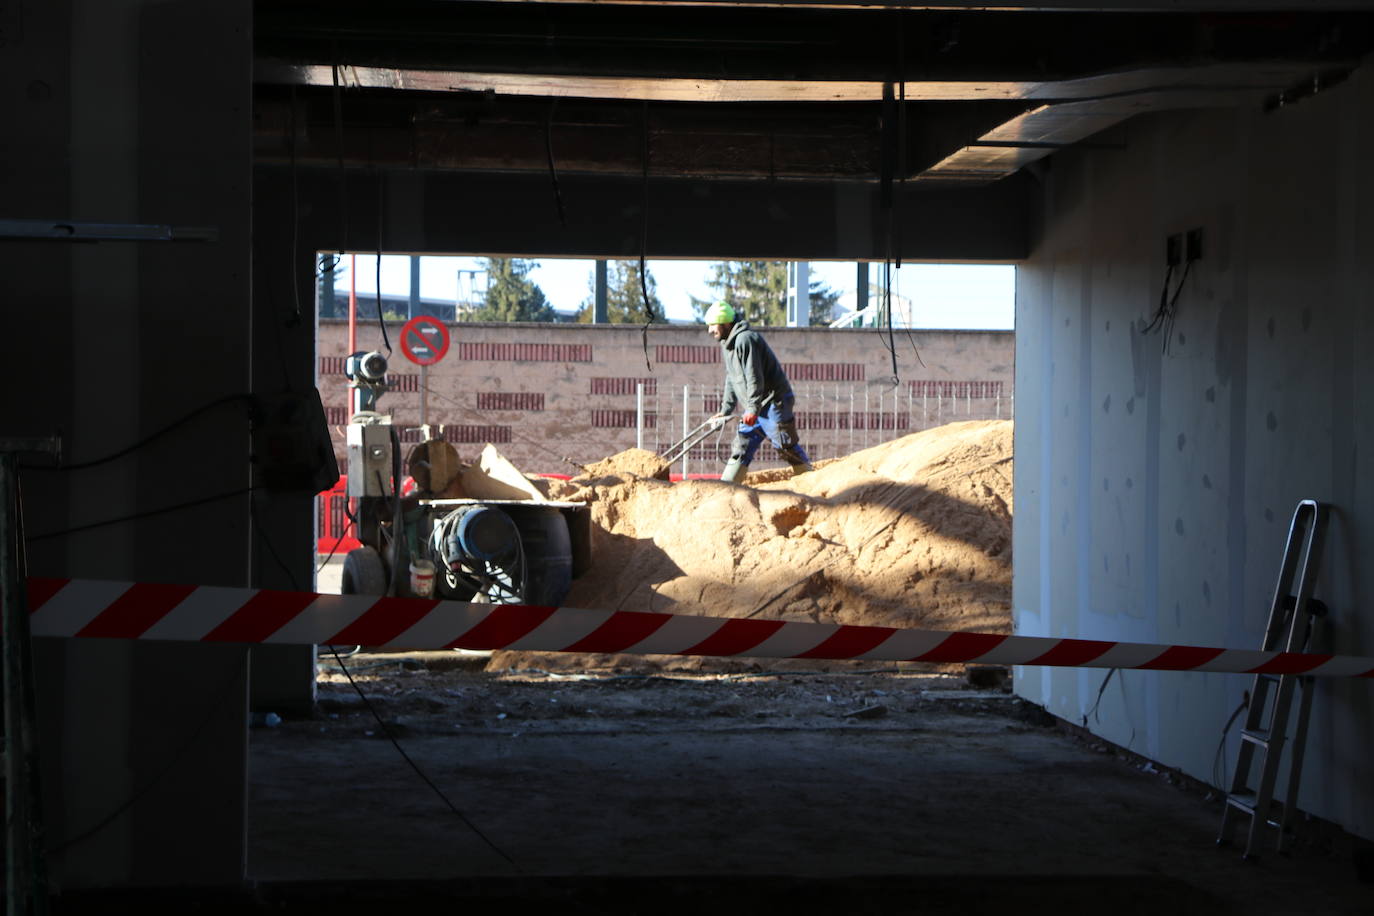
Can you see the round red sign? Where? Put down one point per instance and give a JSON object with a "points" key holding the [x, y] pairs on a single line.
{"points": [[424, 340]]}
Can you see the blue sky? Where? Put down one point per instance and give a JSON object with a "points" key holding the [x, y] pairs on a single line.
{"points": [[945, 295]]}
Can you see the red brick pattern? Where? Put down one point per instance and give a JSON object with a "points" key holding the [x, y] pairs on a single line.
{"points": [[621, 419], [944, 389], [475, 434], [829, 370], [817, 419], [525, 352], [623, 385], [509, 400], [686, 353], [824, 372]]}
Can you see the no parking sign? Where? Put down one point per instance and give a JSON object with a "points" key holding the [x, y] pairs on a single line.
{"points": [[424, 340]]}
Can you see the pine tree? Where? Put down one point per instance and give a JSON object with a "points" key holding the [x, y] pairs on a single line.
{"points": [[823, 301], [758, 290], [624, 298], [511, 294], [333, 302]]}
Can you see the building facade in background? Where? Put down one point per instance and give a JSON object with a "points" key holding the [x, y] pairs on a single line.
{"points": [[555, 396]]}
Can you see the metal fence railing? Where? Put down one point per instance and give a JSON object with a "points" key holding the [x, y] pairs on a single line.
{"points": [[833, 419]]}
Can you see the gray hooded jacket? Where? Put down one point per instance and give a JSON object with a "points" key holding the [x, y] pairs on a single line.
{"points": [[753, 376]]}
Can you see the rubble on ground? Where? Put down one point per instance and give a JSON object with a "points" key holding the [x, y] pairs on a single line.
{"points": [[636, 462], [915, 532]]}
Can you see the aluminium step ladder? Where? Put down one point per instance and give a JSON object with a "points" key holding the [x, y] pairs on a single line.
{"points": [[1292, 617]]}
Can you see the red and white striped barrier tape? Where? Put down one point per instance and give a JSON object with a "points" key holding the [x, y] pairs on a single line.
{"points": [[123, 610]]}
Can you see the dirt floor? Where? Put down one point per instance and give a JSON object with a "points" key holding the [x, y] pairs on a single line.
{"points": [[615, 785], [868, 792]]}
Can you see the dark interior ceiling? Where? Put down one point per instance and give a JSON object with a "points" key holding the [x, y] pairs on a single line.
{"points": [[949, 97]]}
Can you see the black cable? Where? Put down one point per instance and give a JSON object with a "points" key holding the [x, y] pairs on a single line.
{"points": [[295, 320], [895, 247], [271, 550], [398, 522], [553, 171], [1173, 306], [1178, 290], [333, 265], [644, 247], [381, 202], [891, 342], [1163, 308], [81, 466], [901, 141], [912, 340], [891, 143], [1163, 302], [419, 772], [1100, 690], [343, 534], [225, 692], [139, 515], [339, 148], [911, 316], [1167, 311]]}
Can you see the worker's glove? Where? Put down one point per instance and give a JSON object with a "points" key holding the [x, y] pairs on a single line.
{"points": [[718, 420], [749, 419]]}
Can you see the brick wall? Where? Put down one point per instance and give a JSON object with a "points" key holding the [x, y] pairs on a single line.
{"points": [[549, 392]]}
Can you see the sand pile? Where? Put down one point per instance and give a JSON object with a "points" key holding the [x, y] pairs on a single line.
{"points": [[637, 462], [912, 533]]}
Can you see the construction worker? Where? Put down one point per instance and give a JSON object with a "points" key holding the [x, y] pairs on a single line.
{"points": [[754, 381]]}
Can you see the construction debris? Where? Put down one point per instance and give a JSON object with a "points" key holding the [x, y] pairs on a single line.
{"points": [[633, 462], [915, 532]]}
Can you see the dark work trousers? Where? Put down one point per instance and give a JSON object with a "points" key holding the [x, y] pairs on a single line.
{"points": [[776, 424]]}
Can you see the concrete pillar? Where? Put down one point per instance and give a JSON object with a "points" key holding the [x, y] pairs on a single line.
{"points": [[414, 286], [798, 294], [143, 745], [600, 313], [861, 290]]}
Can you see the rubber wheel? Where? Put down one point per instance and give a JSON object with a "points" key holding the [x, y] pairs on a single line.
{"points": [[363, 573], [548, 553]]}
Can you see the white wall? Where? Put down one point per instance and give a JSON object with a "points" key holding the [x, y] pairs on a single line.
{"points": [[1154, 491]]}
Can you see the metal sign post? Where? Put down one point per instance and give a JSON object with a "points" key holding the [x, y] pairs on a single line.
{"points": [[424, 398], [420, 347], [686, 425]]}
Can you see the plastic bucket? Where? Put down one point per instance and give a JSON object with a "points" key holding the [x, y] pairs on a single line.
{"points": [[422, 578]]}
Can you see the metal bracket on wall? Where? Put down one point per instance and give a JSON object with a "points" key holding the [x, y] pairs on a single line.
{"points": [[86, 231]]}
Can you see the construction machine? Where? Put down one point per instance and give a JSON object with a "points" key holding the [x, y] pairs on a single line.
{"points": [[499, 542]]}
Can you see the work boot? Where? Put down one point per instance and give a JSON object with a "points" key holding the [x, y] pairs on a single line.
{"points": [[734, 471], [798, 469]]}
